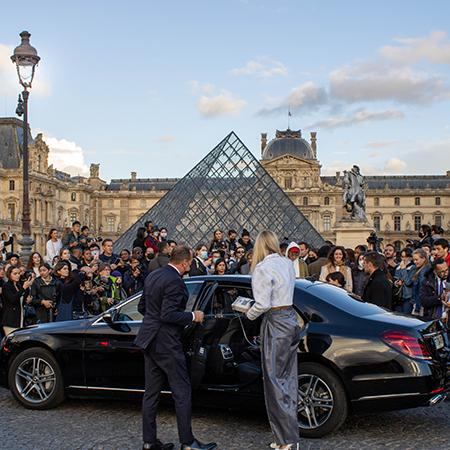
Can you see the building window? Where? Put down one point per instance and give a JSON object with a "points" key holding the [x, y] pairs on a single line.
{"points": [[397, 223], [326, 223], [111, 224], [398, 245], [288, 181], [326, 201], [305, 201], [376, 201], [438, 221], [73, 196], [417, 201], [12, 185], [11, 211], [377, 223], [143, 203], [437, 201], [417, 223], [73, 218], [111, 203], [397, 201]]}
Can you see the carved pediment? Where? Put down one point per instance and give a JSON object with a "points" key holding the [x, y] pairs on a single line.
{"points": [[289, 160]]}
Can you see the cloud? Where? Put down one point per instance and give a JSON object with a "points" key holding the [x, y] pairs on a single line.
{"points": [[380, 144], [340, 166], [124, 152], [374, 154], [65, 155], [265, 69], [345, 143], [301, 100], [222, 104], [403, 85], [6, 66], [165, 138], [395, 165], [434, 48], [364, 116]]}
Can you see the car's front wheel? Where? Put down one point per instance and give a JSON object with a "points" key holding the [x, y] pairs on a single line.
{"points": [[35, 379], [322, 402]]}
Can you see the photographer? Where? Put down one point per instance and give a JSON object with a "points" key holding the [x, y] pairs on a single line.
{"points": [[106, 294], [83, 302], [46, 293], [374, 241], [403, 282], [4, 244], [133, 280], [425, 238], [162, 259], [85, 240], [72, 239], [69, 295]]}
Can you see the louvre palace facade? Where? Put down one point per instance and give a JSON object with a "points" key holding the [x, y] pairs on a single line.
{"points": [[396, 206]]}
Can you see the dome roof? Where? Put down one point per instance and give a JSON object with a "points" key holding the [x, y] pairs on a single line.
{"points": [[288, 142]]}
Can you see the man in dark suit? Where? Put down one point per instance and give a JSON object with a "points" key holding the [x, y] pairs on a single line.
{"points": [[163, 305], [378, 290]]}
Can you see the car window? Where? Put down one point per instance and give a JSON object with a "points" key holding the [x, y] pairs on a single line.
{"points": [[223, 298], [193, 289], [129, 312]]}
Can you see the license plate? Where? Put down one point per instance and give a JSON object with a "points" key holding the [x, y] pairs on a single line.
{"points": [[438, 341]]}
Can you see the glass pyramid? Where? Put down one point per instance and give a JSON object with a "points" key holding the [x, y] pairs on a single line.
{"points": [[228, 189]]}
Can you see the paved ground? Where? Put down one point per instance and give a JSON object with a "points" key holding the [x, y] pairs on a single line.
{"points": [[81, 424]]}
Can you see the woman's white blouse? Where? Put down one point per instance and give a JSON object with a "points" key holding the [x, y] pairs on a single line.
{"points": [[53, 249], [273, 282]]}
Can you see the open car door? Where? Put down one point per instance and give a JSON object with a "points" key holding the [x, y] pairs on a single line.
{"points": [[192, 339]]}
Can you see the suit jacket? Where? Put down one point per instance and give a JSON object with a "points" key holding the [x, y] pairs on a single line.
{"points": [[162, 304], [378, 290]]}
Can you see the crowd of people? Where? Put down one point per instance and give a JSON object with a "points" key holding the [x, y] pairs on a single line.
{"points": [[84, 275]]}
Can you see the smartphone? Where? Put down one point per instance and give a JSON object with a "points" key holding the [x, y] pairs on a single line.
{"points": [[95, 254], [210, 257]]}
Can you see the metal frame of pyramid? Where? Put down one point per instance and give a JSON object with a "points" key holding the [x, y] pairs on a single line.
{"points": [[227, 189]]}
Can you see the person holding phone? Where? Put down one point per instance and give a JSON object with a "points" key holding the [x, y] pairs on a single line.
{"points": [[108, 256], [13, 293]]}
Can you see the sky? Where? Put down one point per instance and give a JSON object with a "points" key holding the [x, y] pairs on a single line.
{"points": [[151, 87]]}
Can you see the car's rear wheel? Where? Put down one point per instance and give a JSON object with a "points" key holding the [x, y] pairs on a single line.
{"points": [[35, 379], [323, 404]]}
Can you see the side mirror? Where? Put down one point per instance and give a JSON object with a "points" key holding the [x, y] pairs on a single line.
{"points": [[107, 318]]}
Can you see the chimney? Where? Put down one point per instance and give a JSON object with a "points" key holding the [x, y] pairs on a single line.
{"points": [[313, 143], [133, 175], [263, 142]]}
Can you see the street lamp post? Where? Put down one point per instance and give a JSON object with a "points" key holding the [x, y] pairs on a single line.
{"points": [[26, 59]]}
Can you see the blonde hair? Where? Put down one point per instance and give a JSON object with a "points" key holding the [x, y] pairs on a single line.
{"points": [[266, 243], [423, 254]]}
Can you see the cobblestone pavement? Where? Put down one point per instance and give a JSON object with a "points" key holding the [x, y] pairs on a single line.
{"points": [[95, 425]]}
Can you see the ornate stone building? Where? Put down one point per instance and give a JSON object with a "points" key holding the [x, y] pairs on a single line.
{"points": [[396, 205]]}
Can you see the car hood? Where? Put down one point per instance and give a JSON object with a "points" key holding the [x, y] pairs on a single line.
{"points": [[69, 326]]}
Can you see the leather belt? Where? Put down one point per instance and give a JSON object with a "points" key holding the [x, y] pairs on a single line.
{"points": [[281, 307]]}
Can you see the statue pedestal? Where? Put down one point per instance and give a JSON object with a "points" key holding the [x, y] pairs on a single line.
{"points": [[350, 232]]}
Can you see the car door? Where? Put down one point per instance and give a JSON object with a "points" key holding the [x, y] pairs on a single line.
{"points": [[111, 360], [223, 352]]}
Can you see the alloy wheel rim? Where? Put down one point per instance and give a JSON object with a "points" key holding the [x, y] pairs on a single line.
{"points": [[35, 380], [315, 401]]}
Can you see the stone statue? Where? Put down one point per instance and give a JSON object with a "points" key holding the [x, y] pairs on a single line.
{"points": [[119, 227], [408, 226], [355, 194], [95, 170]]}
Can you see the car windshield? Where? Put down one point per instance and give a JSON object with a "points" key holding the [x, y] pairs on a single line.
{"points": [[343, 300]]}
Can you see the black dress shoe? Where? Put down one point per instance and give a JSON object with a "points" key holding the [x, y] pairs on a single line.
{"points": [[196, 445], [158, 446]]}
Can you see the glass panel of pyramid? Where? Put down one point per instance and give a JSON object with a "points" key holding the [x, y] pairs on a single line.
{"points": [[227, 189]]}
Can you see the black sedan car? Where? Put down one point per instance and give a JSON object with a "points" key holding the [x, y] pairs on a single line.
{"points": [[353, 356]]}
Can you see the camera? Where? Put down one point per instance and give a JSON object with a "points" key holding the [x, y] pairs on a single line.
{"points": [[97, 239], [374, 240], [412, 241]]}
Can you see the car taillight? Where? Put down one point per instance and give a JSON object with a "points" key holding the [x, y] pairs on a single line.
{"points": [[405, 343]]}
